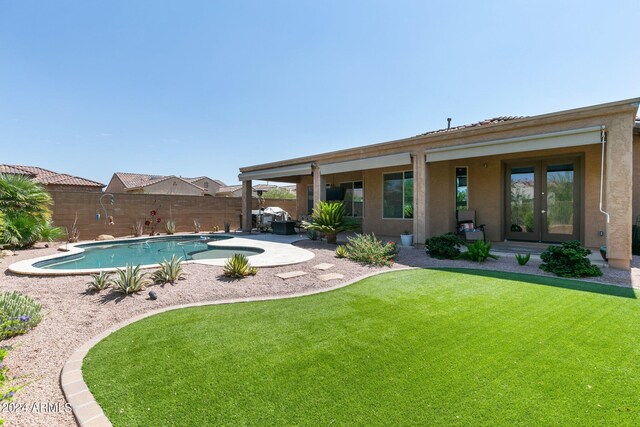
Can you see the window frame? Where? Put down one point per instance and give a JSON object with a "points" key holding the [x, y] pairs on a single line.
{"points": [[403, 172], [352, 200], [455, 183]]}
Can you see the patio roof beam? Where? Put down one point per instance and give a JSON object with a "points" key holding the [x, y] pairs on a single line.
{"points": [[397, 159], [567, 138], [270, 174]]}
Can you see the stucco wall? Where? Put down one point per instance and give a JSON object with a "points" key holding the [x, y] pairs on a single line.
{"points": [[127, 208]]}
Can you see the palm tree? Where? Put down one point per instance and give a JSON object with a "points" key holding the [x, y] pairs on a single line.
{"points": [[20, 194], [26, 212]]}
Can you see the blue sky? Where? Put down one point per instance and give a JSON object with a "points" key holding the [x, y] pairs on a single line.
{"points": [[204, 87]]}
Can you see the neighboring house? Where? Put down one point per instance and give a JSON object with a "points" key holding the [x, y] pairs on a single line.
{"points": [[528, 179], [53, 181], [123, 182], [236, 190], [230, 191]]}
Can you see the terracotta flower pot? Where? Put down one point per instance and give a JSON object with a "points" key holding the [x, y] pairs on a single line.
{"points": [[332, 238]]}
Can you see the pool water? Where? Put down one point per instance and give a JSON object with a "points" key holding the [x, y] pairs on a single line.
{"points": [[144, 252]]}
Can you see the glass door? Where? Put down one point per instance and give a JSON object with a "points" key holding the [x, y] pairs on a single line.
{"points": [[522, 203], [543, 201], [560, 196]]}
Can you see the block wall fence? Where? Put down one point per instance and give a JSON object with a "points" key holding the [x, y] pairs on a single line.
{"points": [[127, 208]]}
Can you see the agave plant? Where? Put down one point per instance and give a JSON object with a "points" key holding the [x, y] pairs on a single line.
{"points": [[99, 282], [130, 280], [341, 251], [170, 271], [238, 266], [170, 226], [196, 226], [330, 218]]}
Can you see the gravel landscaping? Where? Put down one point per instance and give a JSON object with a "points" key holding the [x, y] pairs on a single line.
{"points": [[73, 316]]}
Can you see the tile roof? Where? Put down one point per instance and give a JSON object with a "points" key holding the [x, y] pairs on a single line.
{"points": [[137, 180], [47, 177], [229, 188], [492, 121]]}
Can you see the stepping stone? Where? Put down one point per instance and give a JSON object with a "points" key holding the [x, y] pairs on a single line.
{"points": [[323, 266], [330, 276], [291, 274]]}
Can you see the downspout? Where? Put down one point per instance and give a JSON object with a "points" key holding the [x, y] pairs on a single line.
{"points": [[603, 141]]}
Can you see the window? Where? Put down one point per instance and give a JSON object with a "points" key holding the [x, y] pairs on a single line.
{"points": [[397, 195], [353, 197], [309, 199], [462, 193], [206, 184]]}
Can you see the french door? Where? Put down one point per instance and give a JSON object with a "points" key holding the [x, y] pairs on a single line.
{"points": [[543, 200]]}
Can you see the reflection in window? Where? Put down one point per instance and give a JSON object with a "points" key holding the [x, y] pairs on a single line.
{"points": [[353, 198], [462, 193], [521, 204], [560, 199], [397, 195]]}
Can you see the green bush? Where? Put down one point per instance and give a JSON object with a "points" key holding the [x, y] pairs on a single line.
{"points": [[19, 314], [99, 281], [170, 271], [569, 260], [170, 226], [130, 280], [366, 248], [341, 251], [523, 259], [478, 251], [446, 246], [238, 267], [330, 218]]}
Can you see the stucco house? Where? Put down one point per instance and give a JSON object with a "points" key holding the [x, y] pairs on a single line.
{"points": [[53, 181], [124, 182], [549, 178]]}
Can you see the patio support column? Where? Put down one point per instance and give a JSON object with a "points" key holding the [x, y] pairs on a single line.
{"points": [[319, 185], [247, 205], [619, 190], [419, 197]]}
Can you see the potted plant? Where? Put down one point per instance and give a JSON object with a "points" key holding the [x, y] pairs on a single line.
{"points": [[329, 218], [406, 238]]}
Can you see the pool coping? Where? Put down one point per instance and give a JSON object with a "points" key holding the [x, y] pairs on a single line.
{"points": [[87, 411], [273, 254]]}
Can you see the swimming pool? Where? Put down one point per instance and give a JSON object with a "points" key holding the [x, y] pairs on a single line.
{"points": [[149, 251]]}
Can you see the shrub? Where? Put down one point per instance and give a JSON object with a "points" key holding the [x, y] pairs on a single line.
{"points": [[329, 218], [312, 234], [238, 267], [170, 226], [138, 228], [130, 280], [19, 314], [170, 271], [446, 246], [523, 259], [478, 251], [99, 282], [569, 260], [341, 251], [366, 248], [73, 235]]}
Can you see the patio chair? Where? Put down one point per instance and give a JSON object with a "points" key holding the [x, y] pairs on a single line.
{"points": [[467, 227]]}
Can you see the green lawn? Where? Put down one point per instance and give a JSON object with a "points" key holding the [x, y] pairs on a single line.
{"points": [[412, 347]]}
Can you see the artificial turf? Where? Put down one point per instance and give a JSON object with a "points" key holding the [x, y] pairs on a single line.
{"points": [[412, 347]]}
